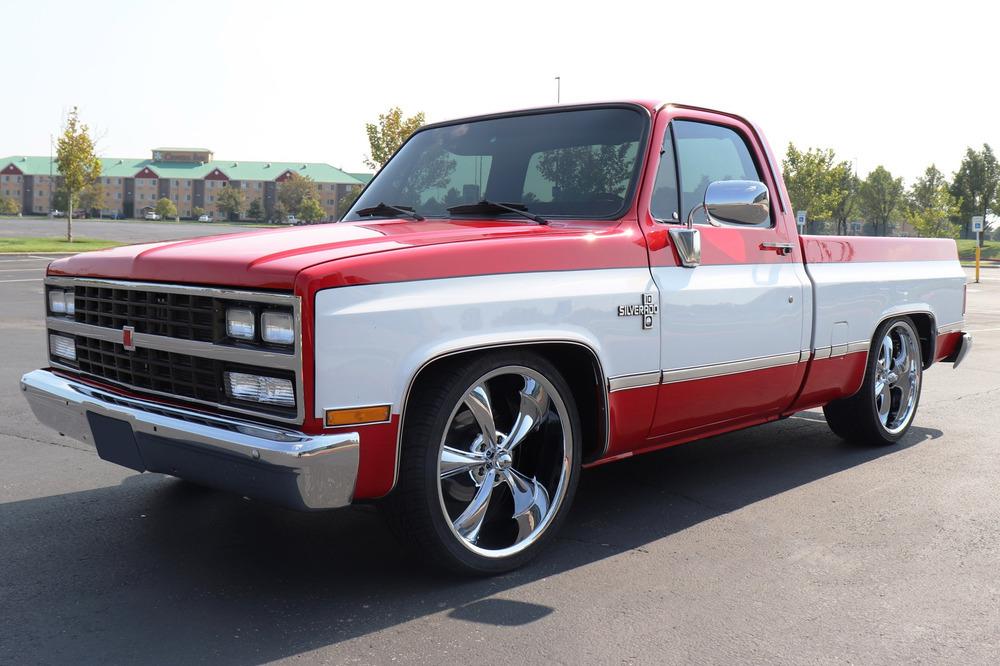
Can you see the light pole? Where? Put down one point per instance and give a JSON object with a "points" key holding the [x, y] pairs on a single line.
{"points": [[558, 89]]}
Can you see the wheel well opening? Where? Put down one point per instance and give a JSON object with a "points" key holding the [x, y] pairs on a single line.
{"points": [[583, 373], [924, 324]]}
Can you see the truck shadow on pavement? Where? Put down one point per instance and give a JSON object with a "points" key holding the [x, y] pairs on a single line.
{"points": [[159, 570]]}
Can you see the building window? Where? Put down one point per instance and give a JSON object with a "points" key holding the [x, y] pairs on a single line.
{"points": [[5, 179], [187, 197], [176, 183], [258, 185], [118, 181], [211, 198], [118, 195]]}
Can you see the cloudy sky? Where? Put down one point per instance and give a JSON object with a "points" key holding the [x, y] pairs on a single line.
{"points": [[902, 84]]}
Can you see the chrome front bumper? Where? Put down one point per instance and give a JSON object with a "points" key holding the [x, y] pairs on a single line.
{"points": [[964, 347], [273, 464]]}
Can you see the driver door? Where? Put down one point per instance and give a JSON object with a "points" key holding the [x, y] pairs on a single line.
{"points": [[734, 325]]}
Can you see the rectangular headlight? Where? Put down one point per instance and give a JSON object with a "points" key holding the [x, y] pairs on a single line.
{"points": [[277, 327], [62, 346], [240, 323], [258, 388], [62, 301]]}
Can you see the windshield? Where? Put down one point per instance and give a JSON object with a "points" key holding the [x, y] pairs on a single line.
{"points": [[576, 163]]}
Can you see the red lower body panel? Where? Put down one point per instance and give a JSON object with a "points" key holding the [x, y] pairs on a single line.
{"points": [[947, 344], [377, 460], [830, 378]]}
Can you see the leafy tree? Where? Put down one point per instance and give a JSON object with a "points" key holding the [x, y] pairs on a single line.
{"points": [[880, 196], [166, 209], [847, 186], [60, 199], [581, 172], [278, 212], [932, 218], [255, 211], [231, 202], [924, 192], [197, 211], [815, 183], [386, 136], [977, 187], [92, 197], [310, 210], [347, 200], [9, 206], [295, 190], [77, 163]]}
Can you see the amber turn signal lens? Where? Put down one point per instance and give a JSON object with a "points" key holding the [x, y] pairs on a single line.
{"points": [[356, 415]]}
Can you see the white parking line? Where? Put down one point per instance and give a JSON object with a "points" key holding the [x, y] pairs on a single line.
{"points": [[20, 270], [24, 280], [984, 330]]}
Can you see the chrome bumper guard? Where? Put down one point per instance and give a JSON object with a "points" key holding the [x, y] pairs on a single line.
{"points": [[964, 347], [278, 465]]}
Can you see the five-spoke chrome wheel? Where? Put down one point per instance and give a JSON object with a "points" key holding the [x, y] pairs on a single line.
{"points": [[897, 377], [504, 461], [883, 408]]}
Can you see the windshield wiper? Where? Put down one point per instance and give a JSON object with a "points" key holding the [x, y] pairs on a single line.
{"points": [[485, 206], [384, 209]]}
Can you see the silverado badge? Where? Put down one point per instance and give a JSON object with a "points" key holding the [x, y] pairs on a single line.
{"points": [[646, 309]]}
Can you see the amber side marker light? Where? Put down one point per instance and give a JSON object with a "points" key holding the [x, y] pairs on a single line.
{"points": [[356, 415]]}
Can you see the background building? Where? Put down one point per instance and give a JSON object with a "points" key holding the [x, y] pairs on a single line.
{"points": [[189, 177]]}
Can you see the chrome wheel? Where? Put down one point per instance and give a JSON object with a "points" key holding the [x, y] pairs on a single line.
{"points": [[504, 461], [897, 378]]}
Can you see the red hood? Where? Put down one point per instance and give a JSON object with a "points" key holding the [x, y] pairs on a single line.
{"points": [[271, 258]]}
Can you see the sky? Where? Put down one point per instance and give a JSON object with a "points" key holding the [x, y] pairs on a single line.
{"points": [[902, 84]]}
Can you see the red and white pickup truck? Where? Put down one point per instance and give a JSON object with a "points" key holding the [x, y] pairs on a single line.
{"points": [[513, 297]]}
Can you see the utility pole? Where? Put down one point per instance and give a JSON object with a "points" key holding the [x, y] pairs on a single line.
{"points": [[558, 89], [50, 173]]}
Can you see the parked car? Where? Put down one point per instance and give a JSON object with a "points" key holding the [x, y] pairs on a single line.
{"points": [[151, 215], [205, 217], [55, 212], [291, 219], [462, 364]]}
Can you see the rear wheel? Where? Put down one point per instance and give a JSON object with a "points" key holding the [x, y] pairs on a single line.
{"points": [[883, 410], [490, 462]]}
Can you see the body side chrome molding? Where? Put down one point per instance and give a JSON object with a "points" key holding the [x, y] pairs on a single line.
{"points": [[730, 367], [637, 380]]}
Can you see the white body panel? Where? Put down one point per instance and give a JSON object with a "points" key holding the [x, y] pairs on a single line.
{"points": [[853, 298], [372, 339], [721, 314]]}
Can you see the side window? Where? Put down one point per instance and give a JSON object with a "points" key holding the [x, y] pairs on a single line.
{"points": [[707, 153], [664, 205]]}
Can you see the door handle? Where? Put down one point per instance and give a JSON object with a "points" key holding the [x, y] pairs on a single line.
{"points": [[780, 248]]}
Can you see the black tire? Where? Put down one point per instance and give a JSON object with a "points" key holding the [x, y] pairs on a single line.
{"points": [[416, 510], [856, 419]]}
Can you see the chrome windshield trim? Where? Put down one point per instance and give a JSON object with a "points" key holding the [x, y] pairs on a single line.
{"points": [[729, 368]]}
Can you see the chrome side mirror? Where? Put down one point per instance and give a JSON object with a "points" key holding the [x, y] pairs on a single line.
{"points": [[744, 202], [687, 240]]}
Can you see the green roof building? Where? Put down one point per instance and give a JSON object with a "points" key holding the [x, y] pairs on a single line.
{"points": [[190, 177]]}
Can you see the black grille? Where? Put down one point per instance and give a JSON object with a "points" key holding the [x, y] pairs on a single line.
{"points": [[185, 316], [150, 369]]}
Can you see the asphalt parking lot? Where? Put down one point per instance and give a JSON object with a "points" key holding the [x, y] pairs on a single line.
{"points": [[131, 231], [777, 544]]}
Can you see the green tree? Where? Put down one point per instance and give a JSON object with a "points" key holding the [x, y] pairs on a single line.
{"points": [[78, 165], [976, 186], [197, 212], [347, 200], [166, 209], [816, 184], [582, 172], [847, 186], [924, 192], [933, 217], [880, 196], [310, 210], [92, 197], [296, 189], [389, 133], [255, 211], [231, 202], [10, 206], [278, 213]]}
